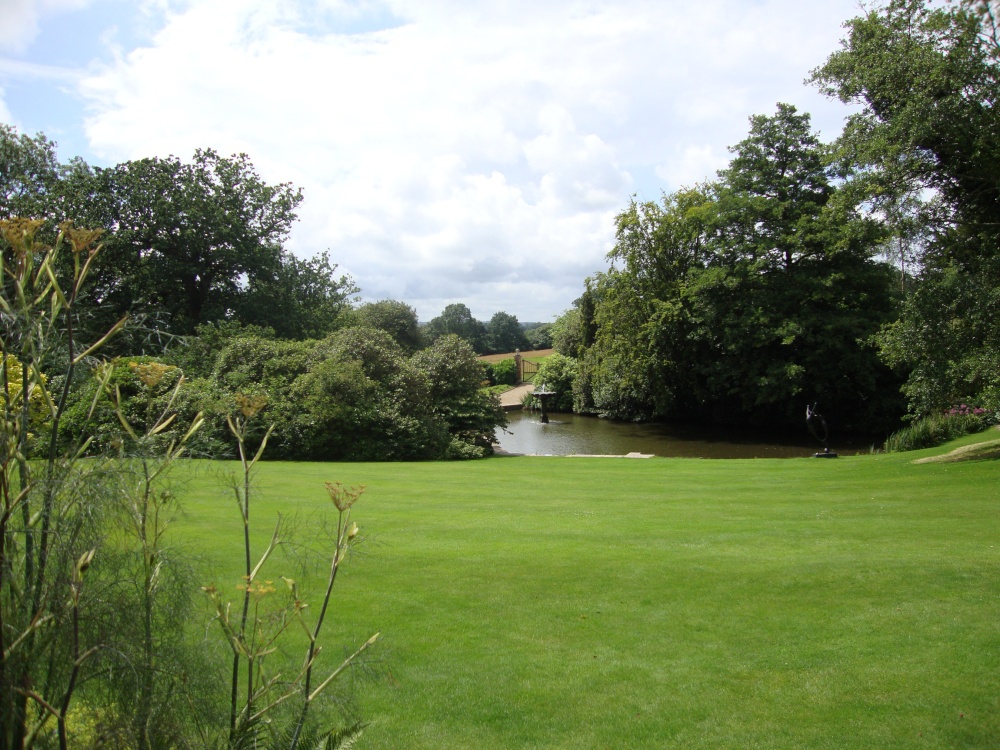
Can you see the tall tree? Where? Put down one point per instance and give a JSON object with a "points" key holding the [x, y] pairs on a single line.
{"points": [[773, 193], [745, 300], [457, 319], [641, 364], [927, 79], [187, 237], [504, 333], [28, 173], [299, 299]]}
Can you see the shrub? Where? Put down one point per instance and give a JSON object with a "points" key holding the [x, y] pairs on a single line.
{"points": [[457, 398], [503, 372], [558, 373], [936, 429], [362, 400], [95, 605]]}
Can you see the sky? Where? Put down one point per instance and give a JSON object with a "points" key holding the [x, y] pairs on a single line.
{"points": [[448, 150]]}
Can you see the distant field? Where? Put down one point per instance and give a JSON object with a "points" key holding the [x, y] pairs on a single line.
{"points": [[534, 356], [613, 603]]}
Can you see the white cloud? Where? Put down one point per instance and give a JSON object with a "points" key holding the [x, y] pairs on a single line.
{"points": [[459, 151], [5, 115], [692, 164], [19, 20]]}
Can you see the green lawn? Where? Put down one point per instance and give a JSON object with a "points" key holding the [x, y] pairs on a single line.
{"points": [[611, 603]]}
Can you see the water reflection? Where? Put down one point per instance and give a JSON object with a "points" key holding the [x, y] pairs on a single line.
{"points": [[569, 434]]}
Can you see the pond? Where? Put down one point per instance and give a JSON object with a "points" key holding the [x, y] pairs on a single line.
{"points": [[569, 434]]}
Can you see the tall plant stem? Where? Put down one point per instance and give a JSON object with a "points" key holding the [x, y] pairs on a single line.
{"points": [[50, 490], [20, 708], [314, 637], [149, 566], [239, 432]]}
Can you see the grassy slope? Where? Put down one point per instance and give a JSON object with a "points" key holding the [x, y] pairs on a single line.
{"points": [[585, 603]]}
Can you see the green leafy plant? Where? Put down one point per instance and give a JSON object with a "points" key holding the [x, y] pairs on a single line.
{"points": [[49, 525], [503, 372], [559, 374], [935, 429], [93, 599], [260, 623]]}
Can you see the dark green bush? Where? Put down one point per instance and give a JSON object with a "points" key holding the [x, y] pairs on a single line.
{"points": [[362, 400], [503, 372], [456, 376]]}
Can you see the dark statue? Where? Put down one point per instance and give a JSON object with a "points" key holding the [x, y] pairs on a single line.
{"points": [[817, 426]]}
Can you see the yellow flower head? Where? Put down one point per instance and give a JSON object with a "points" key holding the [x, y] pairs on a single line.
{"points": [[344, 497], [19, 233], [250, 406], [80, 239], [150, 374]]}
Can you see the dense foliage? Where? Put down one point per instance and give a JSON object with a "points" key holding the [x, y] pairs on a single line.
{"points": [[804, 273], [95, 644], [923, 150], [355, 395], [821, 274], [194, 259], [504, 334], [503, 372], [501, 335], [558, 373], [396, 318], [188, 243], [742, 300], [539, 336]]}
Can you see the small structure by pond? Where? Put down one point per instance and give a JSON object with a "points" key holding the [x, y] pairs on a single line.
{"points": [[543, 395]]}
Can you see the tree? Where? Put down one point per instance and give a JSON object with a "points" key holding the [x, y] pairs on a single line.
{"points": [[988, 12], [744, 300], [189, 243], [457, 319], [28, 172], [644, 356], [189, 237], [927, 80], [575, 329], [504, 334], [299, 299], [396, 318], [773, 193], [539, 336], [926, 85], [558, 373]]}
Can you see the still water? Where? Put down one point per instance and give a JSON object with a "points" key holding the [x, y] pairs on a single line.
{"points": [[568, 434]]}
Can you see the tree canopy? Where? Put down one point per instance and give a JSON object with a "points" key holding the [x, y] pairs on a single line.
{"points": [[396, 318], [504, 334], [188, 238], [457, 319], [745, 299], [28, 172], [923, 152]]}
